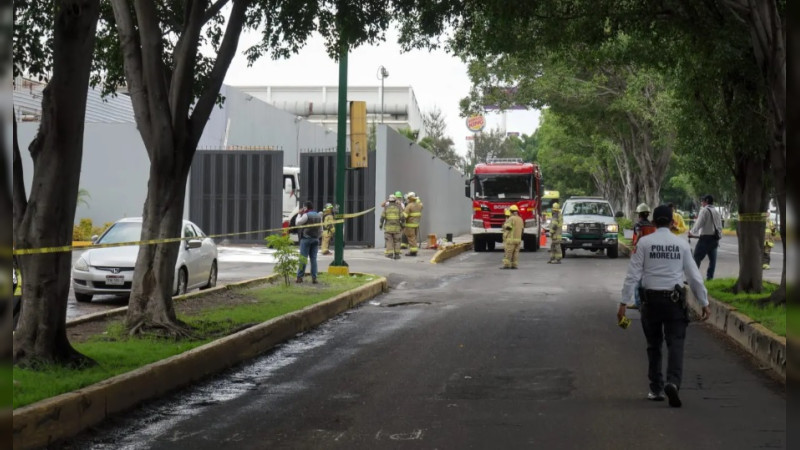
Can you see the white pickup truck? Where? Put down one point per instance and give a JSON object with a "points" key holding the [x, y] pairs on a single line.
{"points": [[291, 197]]}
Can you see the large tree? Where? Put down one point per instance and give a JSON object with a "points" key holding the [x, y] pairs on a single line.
{"points": [[173, 87], [436, 140], [55, 39], [679, 30]]}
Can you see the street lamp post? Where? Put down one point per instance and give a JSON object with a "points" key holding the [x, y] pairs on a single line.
{"points": [[382, 74]]}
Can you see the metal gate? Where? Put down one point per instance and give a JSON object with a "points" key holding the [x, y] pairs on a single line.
{"points": [[234, 191], [318, 184]]}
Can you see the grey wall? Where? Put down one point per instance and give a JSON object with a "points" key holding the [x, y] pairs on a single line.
{"points": [[115, 170], [248, 121], [405, 166]]}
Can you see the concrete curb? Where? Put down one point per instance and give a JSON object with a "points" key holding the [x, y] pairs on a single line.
{"points": [[124, 309], [766, 346], [66, 415], [449, 252]]}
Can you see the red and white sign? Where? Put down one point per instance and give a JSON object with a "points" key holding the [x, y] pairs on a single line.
{"points": [[476, 123]]}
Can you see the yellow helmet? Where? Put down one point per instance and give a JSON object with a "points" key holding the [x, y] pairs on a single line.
{"points": [[556, 207], [513, 208], [508, 212]]}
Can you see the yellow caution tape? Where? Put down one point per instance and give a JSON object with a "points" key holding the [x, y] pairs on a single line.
{"points": [[68, 248], [752, 217]]}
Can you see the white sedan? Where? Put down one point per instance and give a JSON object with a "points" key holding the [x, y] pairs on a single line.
{"points": [[110, 270]]}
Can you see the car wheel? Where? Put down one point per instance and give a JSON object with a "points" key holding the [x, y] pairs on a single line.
{"points": [[83, 298], [612, 252], [183, 279], [212, 276], [563, 251]]}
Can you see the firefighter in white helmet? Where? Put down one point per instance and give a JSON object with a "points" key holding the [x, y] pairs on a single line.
{"points": [[392, 225], [327, 228]]}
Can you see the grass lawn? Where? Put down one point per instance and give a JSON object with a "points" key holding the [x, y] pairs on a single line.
{"points": [[116, 353], [772, 317]]}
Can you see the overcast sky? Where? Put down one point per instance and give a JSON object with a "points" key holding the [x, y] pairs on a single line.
{"points": [[438, 79]]}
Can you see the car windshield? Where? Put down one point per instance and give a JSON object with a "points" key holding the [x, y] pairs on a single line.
{"points": [[547, 204], [503, 186], [122, 232], [593, 208]]}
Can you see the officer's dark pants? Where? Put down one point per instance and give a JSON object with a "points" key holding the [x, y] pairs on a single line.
{"points": [[706, 245], [663, 319]]}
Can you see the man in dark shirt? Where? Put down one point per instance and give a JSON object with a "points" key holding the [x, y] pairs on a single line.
{"points": [[309, 239]]}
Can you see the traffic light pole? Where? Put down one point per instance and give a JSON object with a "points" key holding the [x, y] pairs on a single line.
{"points": [[339, 266]]}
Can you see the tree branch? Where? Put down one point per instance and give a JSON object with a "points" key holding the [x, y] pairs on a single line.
{"points": [[214, 9], [185, 54], [227, 51], [153, 73], [132, 55], [20, 197]]}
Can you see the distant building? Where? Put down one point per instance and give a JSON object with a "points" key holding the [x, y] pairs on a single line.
{"points": [[319, 104]]}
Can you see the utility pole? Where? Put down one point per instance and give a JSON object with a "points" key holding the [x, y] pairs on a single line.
{"points": [[382, 74], [339, 266]]}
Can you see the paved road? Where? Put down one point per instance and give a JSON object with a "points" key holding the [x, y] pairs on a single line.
{"points": [[463, 355], [238, 263]]}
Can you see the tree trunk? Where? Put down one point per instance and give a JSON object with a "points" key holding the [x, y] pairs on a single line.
{"points": [[46, 218], [750, 172], [151, 306], [769, 45]]}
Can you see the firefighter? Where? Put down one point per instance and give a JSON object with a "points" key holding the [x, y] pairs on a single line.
{"points": [[643, 226], [506, 232], [399, 198], [327, 228], [514, 225], [413, 216], [555, 235], [392, 225], [769, 242]]}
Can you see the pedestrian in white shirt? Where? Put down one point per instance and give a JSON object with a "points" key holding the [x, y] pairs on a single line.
{"points": [[660, 263], [708, 231]]}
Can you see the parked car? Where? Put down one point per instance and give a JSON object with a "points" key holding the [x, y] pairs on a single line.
{"points": [[110, 270], [588, 223]]}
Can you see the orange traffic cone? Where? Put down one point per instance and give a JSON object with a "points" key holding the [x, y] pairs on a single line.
{"points": [[542, 239]]}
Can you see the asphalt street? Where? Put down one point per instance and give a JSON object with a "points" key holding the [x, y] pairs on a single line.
{"points": [[463, 355], [244, 262]]}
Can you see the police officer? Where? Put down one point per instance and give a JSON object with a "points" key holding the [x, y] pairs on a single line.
{"points": [[555, 235], [392, 224], [660, 263]]}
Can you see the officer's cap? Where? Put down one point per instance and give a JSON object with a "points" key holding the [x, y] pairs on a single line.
{"points": [[662, 215]]}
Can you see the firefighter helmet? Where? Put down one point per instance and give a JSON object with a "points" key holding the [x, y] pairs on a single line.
{"points": [[507, 212], [642, 208], [328, 206], [398, 194], [513, 208], [556, 207], [411, 195], [392, 198]]}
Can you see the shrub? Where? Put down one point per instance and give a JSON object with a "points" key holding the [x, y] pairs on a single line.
{"points": [[84, 230], [288, 257], [624, 223]]}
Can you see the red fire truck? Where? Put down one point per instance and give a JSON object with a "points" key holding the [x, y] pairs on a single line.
{"points": [[496, 185]]}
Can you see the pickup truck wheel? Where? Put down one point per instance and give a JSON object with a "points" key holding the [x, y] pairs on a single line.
{"points": [[612, 252], [563, 251]]}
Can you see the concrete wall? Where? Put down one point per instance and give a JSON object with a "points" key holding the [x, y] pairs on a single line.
{"points": [[405, 166], [245, 120], [115, 170]]}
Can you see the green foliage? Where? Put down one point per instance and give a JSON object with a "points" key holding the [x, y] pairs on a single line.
{"points": [[624, 223], [289, 259], [435, 140], [755, 306], [85, 230], [485, 146], [409, 133], [83, 194], [117, 353]]}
